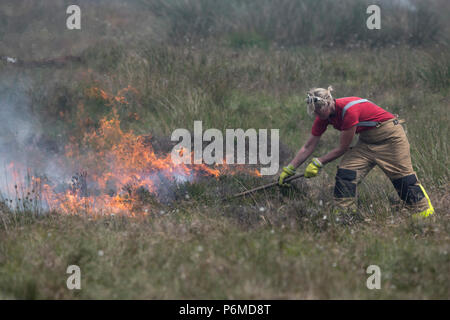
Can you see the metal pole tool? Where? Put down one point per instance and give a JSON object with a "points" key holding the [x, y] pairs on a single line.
{"points": [[266, 186]]}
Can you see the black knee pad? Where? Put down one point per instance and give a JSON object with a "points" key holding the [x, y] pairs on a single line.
{"points": [[345, 186], [407, 189]]}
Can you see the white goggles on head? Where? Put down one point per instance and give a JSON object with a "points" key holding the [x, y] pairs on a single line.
{"points": [[310, 99]]}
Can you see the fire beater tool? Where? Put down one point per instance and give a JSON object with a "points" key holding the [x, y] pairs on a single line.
{"points": [[266, 186]]}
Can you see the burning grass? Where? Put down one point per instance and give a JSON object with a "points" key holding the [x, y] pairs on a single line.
{"points": [[116, 172]]}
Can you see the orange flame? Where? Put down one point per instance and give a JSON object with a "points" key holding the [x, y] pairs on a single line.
{"points": [[117, 166]]}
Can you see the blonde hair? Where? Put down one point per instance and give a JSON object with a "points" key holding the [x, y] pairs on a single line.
{"points": [[318, 98]]}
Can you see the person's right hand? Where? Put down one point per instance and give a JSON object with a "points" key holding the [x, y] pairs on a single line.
{"points": [[287, 172]]}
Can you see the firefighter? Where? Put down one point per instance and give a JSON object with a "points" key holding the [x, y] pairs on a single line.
{"points": [[382, 142]]}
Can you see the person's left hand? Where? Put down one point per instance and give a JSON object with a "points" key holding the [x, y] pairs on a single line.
{"points": [[313, 168]]}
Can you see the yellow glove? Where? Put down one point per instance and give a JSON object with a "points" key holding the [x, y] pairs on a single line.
{"points": [[426, 213], [313, 168], [287, 172]]}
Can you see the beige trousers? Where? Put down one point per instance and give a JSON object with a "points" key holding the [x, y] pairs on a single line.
{"points": [[387, 147]]}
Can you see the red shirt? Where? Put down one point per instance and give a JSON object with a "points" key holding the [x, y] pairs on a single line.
{"points": [[365, 111]]}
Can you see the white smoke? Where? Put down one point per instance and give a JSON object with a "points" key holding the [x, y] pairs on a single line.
{"points": [[23, 152], [17, 133]]}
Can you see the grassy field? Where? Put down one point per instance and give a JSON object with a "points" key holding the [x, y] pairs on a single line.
{"points": [[233, 64]]}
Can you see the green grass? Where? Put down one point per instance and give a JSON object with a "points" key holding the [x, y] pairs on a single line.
{"points": [[220, 253]]}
